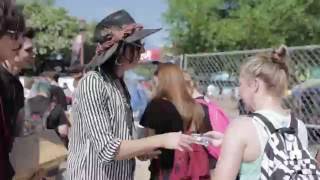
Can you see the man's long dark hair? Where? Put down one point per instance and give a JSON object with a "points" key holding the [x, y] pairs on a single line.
{"points": [[29, 33], [110, 65]]}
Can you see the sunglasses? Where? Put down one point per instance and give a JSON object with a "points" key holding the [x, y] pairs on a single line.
{"points": [[137, 44]]}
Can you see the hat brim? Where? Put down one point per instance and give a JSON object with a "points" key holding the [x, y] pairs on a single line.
{"points": [[141, 35], [100, 59]]}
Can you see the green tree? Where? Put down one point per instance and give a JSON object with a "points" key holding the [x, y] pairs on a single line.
{"points": [[55, 29], [221, 25]]}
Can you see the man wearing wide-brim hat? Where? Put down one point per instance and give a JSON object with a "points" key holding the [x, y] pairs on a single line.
{"points": [[101, 144]]}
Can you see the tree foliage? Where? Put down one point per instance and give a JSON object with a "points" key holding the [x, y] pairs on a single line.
{"points": [[221, 25], [55, 28]]}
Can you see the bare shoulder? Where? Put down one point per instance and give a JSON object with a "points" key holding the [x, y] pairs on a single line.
{"points": [[242, 122], [241, 128]]}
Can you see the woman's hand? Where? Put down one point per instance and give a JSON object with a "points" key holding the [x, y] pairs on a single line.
{"points": [[215, 137], [176, 140]]}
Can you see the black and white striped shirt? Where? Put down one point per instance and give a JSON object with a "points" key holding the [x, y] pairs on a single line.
{"points": [[101, 120]]}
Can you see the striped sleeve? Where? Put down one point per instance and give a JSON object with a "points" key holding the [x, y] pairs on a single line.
{"points": [[94, 109]]}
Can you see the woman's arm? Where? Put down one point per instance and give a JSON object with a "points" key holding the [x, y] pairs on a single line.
{"points": [[133, 148], [232, 152], [98, 127], [149, 155]]}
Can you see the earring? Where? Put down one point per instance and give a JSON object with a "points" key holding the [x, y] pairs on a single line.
{"points": [[117, 62]]}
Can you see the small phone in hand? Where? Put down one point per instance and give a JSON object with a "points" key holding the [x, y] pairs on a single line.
{"points": [[201, 139]]}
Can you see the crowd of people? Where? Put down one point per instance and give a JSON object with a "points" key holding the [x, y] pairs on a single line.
{"points": [[186, 135]]}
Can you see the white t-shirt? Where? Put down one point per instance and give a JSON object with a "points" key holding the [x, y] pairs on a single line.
{"points": [[278, 121]]}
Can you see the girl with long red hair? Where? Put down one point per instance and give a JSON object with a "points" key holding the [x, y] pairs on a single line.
{"points": [[172, 109]]}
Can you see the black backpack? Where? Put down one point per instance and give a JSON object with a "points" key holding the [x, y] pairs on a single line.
{"points": [[284, 157]]}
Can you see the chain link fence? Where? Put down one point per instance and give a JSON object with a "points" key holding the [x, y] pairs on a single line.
{"points": [[221, 70]]}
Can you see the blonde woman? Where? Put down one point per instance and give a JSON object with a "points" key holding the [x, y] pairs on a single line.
{"points": [[263, 82]]}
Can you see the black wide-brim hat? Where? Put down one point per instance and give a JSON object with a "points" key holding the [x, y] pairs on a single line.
{"points": [[116, 20]]}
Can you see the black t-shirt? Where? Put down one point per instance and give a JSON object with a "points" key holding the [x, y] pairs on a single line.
{"points": [[57, 117], [162, 116], [40, 104], [12, 97]]}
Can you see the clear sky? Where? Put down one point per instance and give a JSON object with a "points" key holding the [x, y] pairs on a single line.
{"points": [[147, 12]]}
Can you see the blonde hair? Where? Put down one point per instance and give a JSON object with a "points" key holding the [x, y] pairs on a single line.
{"points": [[271, 68], [189, 81], [173, 87]]}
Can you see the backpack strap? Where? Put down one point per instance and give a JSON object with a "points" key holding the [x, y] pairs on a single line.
{"points": [[292, 129], [205, 107], [265, 121], [294, 122]]}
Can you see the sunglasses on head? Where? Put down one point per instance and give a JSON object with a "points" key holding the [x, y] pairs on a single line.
{"points": [[13, 34]]}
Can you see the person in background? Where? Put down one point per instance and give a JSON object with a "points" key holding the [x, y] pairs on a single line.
{"points": [[77, 72], [77, 53], [51, 76], [43, 103], [12, 27], [192, 86], [172, 109], [210, 120], [101, 144], [212, 91], [28, 82], [138, 96], [57, 93], [263, 82]]}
